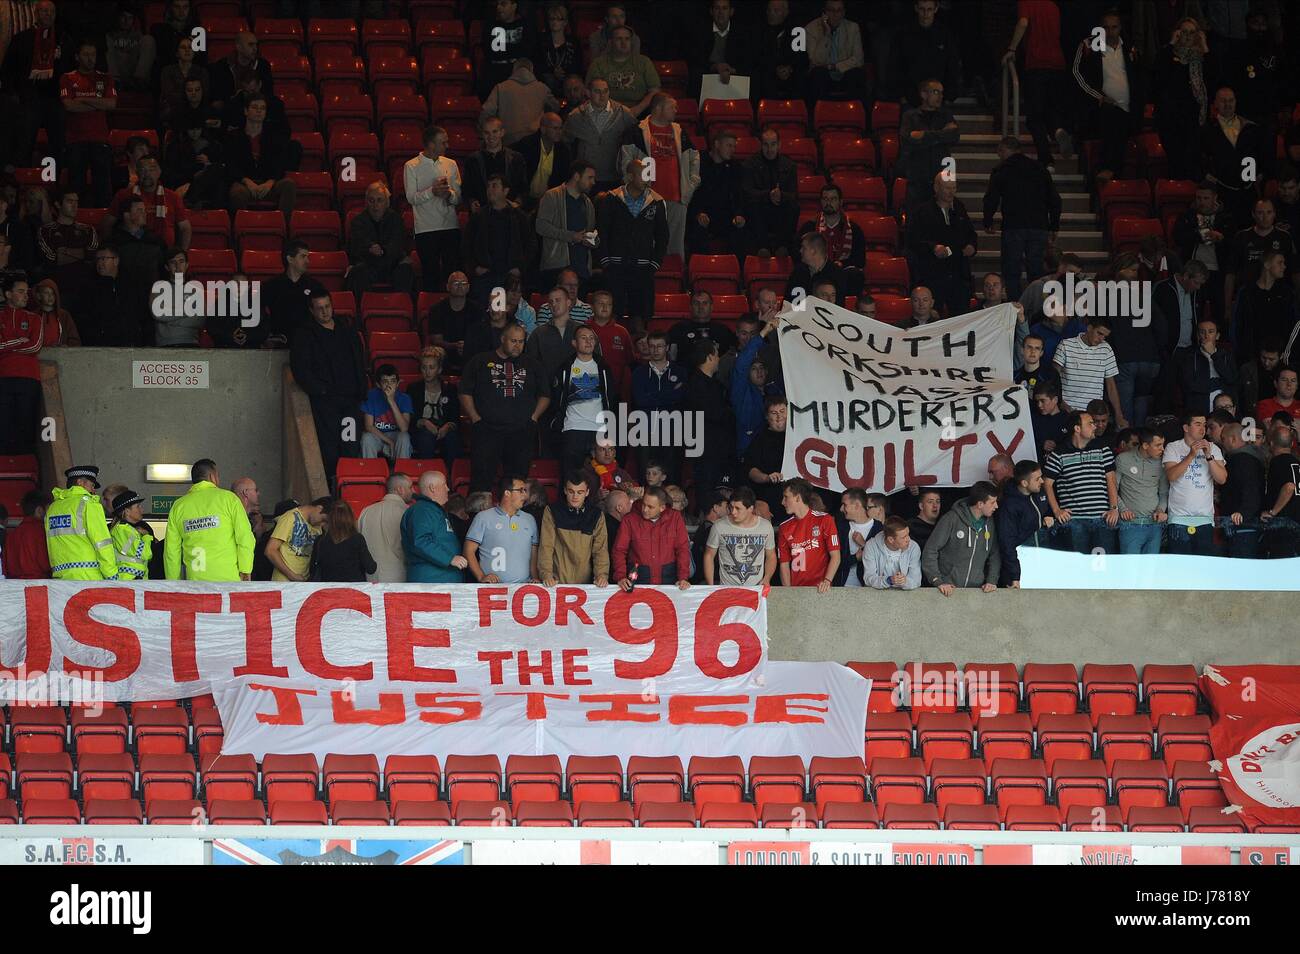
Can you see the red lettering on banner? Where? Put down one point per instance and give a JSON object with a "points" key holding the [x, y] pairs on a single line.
{"points": [[494, 659], [184, 609], [910, 477], [619, 703], [391, 711], [288, 708], [824, 460], [1010, 449], [404, 636], [777, 708], [711, 633], [543, 605], [571, 668], [689, 710], [307, 636], [571, 599], [891, 467], [535, 709], [123, 643], [955, 446], [491, 599], [37, 658], [256, 608], [464, 711], [662, 631], [543, 669]]}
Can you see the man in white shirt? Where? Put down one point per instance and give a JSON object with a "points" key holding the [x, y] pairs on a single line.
{"points": [[1104, 76], [433, 191], [381, 525], [1088, 369], [1193, 465], [864, 521], [741, 550]]}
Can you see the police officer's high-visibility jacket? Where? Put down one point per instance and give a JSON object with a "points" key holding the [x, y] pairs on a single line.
{"points": [[133, 551], [77, 537], [208, 530]]}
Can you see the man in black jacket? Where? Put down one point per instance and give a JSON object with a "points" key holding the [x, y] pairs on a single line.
{"points": [[548, 142], [1206, 370], [723, 47], [814, 268], [1112, 80], [1225, 158], [227, 74], [717, 209], [142, 254], [259, 176], [1265, 309], [286, 299], [327, 363], [941, 242], [921, 50], [504, 396], [1176, 305], [498, 241], [494, 157], [780, 67], [105, 312], [845, 244], [37, 57], [1202, 232], [706, 398], [633, 224], [1031, 213], [1241, 500], [926, 136], [377, 246], [771, 188]]}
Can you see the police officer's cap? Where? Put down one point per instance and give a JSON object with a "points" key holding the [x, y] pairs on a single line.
{"points": [[88, 473], [125, 499]]}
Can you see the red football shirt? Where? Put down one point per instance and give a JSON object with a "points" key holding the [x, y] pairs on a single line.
{"points": [[165, 207], [806, 544], [663, 148], [91, 126], [1043, 38], [22, 333]]}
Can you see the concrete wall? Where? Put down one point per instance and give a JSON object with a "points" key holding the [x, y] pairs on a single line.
{"points": [[237, 420], [1036, 626]]}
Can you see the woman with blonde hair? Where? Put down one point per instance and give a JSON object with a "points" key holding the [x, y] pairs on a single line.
{"points": [[437, 410]]}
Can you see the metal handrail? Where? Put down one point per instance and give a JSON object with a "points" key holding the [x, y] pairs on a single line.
{"points": [[1010, 97]]}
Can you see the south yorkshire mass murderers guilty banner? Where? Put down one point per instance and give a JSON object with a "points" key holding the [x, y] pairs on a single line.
{"points": [[882, 408], [399, 668]]}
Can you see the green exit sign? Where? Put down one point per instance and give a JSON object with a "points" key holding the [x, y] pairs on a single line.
{"points": [[161, 505]]}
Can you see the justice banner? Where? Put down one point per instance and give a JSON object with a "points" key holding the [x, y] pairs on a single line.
{"points": [[879, 407], [793, 707], [132, 642]]}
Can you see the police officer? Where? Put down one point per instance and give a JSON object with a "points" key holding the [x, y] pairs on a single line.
{"points": [[208, 531], [76, 532], [133, 541]]}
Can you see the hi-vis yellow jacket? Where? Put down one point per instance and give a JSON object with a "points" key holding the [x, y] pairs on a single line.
{"points": [[209, 532], [133, 551], [76, 535]]}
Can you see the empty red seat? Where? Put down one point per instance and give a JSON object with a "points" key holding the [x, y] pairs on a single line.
{"points": [[1174, 196], [108, 776], [797, 815], [229, 778], [113, 811], [105, 731], [1018, 782], [1124, 737], [1169, 690], [261, 264], [837, 779], [208, 732], [594, 779], [848, 114], [944, 735], [885, 116], [51, 811], [594, 814], [1110, 690], [879, 232], [1127, 233], [361, 470], [534, 778], [715, 779], [1009, 736], [958, 782], [209, 229], [290, 777], [884, 678], [933, 687], [162, 731], [315, 188], [923, 816], [718, 274], [1184, 738], [247, 811], [844, 151], [728, 815], [1064, 737], [661, 814], [978, 817], [476, 813], [888, 274], [1147, 818], [260, 230], [38, 729], [1051, 687], [45, 775], [175, 811], [366, 813], [1142, 783], [1080, 782], [898, 780], [298, 812], [776, 779], [547, 814], [321, 229], [789, 117], [1206, 819], [654, 779], [352, 778], [410, 812], [1094, 818], [473, 778], [990, 688], [1195, 785], [888, 735], [1033, 818], [167, 778], [849, 815]]}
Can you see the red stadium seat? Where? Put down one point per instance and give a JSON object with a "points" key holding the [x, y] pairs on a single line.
{"points": [[884, 678], [1018, 782], [959, 781], [412, 778], [660, 814], [1170, 690], [605, 815], [1174, 196], [944, 736], [862, 192], [260, 230], [846, 815], [719, 274], [401, 349], [473, 778], [847, 114], [1033, 818], [210, 229], [440, 33], [315, 189], [889, 736], [1051, 688], [288, 67], [918, 816], [770, 272], [369, 814], [788, 116], [783, 815], [353, 778], [175, 811], [887, 274], [277, 29], [482, 813], [674, 305], [777, 779], [594, 779], [223, 28], [113, 811], [361, 497], [334, 31], [734, 114], [346, 110], [393, 71], [1184, 738], [892, 309], [1155, 818], [211, 264], [440, 71], [46, 774], [803, 153], [1110, 690], [261, 264], [385, 31], [100, 776], [103, 732], [1140, 783], [673, 76], [290, 778], [1207, 820], [421, 813], [885, 117], [208, 732], [898, 780], [534, 779], [1080, 782], [544, 814], [320, 229], [167, 778], [1095, 818], [710, 779], [990, 688], [295, 812], [652, 779], [879, 232], [1124, 737], [1196, 784], [978, 817], [51, 811], [1064, 737], [329, 269], [336, 72], [231, 812], [934, 688], [394, 304], [847, 152], [728, 815], [1127, 233]]}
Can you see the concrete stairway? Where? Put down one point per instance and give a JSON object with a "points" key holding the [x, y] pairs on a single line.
{"points": [[976, 156]]}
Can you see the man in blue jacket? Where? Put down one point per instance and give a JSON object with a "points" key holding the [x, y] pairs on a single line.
{"points": [[431, 547]]}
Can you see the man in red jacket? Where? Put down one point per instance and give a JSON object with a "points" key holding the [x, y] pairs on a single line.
{"points": [[22, 333], [652, 543], [25, 553]]}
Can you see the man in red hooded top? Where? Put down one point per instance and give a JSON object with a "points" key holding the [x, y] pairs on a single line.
{"points": [[21, 337]]}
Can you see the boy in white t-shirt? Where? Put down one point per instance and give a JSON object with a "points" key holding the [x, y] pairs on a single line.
{"points": [[1193, 465]]}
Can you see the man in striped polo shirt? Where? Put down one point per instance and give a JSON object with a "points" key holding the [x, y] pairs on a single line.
{"points": [[1082, 489], [1088, 369]]}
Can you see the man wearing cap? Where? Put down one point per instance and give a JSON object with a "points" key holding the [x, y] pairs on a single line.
{"points": [[208, 531], [76, 532], [133, 540]]}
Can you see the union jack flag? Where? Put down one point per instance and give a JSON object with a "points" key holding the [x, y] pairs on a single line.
{"points": [[335, 851]]}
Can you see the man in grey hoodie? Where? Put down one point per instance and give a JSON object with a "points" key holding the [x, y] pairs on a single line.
{"points": [[963, 549], [891, 560], [519, 102]]}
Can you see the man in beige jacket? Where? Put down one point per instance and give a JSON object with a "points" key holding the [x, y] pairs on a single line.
{"points": [[381, 525]]}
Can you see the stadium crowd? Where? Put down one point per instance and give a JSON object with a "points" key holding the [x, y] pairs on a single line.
{"points": [[526, 257]]}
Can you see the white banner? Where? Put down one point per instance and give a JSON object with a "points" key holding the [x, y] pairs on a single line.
{"points": [[79, 642], [880, 407], [93, 850], [794, 708]]}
